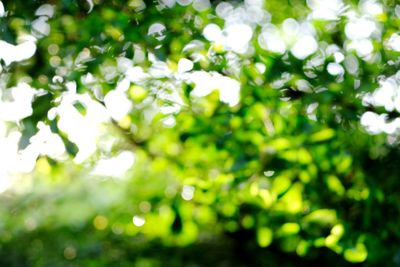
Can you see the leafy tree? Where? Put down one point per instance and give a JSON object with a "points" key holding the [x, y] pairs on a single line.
{"points": [[174, 133]]}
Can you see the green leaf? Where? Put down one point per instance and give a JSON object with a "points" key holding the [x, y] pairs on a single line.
{"points": [[264, 236], [356, 254], [322, 135]]}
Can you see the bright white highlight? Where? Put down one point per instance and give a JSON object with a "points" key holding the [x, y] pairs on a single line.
{"points": [[167, 3], [45, 10], [157, 30], [187, 192], [213, 33], [116, 166], [394, 42], [15, 53], [376, 124], [387, 96], [118, 105], [371, 7], [2, 10], [206, 82], [339, 57], [184, 2], [360, 28], [363, 47], [238, 37], [326, 9], [138, 221], [21, 105], [40, 27], [270, 39], [83, 130], [185, 65], [9, 154], [335, 69], [201, 5], [305, 46], [298, 37], [235, 36], [136, 74], [372, 122], [47, 143]]}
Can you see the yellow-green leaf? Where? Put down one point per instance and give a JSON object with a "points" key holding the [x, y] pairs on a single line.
{"points": [[264, 236], [357, 254], [322, 135]]}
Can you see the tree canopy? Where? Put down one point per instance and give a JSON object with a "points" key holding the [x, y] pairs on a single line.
{"points": [[199, 133]]}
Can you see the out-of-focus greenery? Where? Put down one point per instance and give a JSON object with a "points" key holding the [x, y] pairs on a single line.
{"points": [[286, 176]]}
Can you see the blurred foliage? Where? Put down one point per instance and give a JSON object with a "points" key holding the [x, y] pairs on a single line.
{"points": [[287, 176]]}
